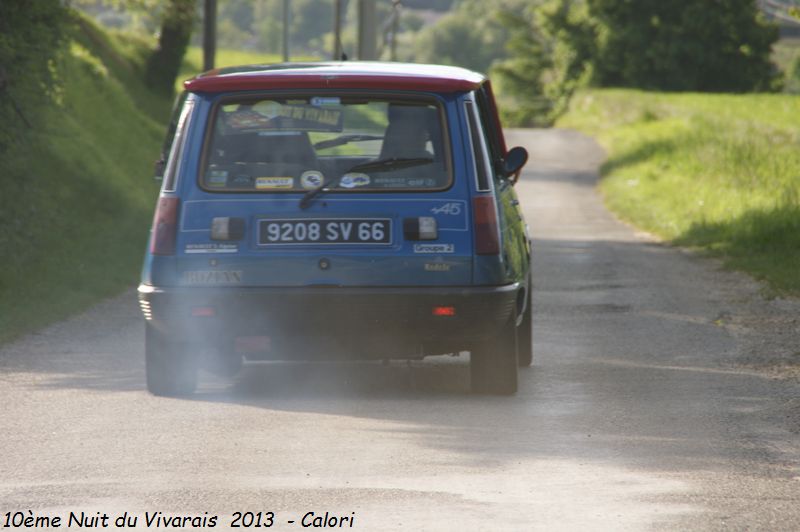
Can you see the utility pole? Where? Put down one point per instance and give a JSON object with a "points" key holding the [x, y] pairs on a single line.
{"points": [[367, 45], [337, 30], [209, 34], [395, 28], [285, 31]]}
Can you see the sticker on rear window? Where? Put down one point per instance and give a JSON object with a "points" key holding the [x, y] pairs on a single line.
{"points": [[403, 182], [311, 179], [354, 180], [217, 178], [320, 101], [264, 183], [269, 115]]}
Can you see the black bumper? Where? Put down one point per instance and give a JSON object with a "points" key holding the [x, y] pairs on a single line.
{"points": [[362, 322]]}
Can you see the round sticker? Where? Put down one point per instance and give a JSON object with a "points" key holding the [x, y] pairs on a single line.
{"points": [[311, 179], [354, 180]]}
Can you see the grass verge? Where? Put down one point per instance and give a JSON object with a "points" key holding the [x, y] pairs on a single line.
{"points": [[719, 173], [78, 193]]}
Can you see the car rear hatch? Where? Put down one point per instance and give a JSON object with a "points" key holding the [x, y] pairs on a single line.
{"points": [[325, 189]]}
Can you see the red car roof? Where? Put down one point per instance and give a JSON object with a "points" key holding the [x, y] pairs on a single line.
{"points": [[344, 75]]}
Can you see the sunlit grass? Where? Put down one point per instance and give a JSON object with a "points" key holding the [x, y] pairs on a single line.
{"points": [[193, 61], [716, 172], [78, 194]]}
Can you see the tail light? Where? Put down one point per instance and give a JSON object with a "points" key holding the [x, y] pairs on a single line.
{"points": [[165, 225], [487, 233]]}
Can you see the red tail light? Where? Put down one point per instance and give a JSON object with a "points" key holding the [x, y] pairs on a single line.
{"points": [[165, 225], [443, 311], [487, 234]]}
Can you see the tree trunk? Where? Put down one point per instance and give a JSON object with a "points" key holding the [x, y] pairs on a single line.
{"points": [[176, 29], [209, 34]]}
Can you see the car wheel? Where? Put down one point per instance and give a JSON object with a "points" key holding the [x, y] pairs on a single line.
{"points": [[493, 363], [168, 366], [525, 348]]}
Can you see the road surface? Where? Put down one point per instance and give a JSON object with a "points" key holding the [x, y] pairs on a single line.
{"points": [[643, 410]]}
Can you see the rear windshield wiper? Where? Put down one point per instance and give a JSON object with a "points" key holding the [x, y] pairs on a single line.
{"points": [[381, 165], [344, 139], [392, 163]]}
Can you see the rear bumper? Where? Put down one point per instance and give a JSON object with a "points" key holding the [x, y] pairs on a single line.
{"points": [[355, 322]]}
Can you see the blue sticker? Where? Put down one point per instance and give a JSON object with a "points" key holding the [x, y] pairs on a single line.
{"points": [[319, 101], [354, 180]]}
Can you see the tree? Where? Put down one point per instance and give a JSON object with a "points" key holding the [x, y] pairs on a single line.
{"points": [[521, 76], [548, 46], [695, 45], [31, 38], [176, 29], [310, 21], [470, 36]]}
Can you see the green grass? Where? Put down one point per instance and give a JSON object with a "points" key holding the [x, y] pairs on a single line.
{"points": [[78, 193], [719, 173], [193, 61]]}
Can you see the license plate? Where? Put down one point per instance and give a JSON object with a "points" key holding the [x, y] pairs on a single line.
{"points": [[324, 231]]}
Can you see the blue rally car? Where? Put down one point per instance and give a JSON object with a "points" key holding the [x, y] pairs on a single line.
{"points": [[337, 210]]}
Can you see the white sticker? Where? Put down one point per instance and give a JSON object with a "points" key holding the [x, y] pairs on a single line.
{"points": [[311, 179], [452, 209], [212, 247], [354, 180], [274, 182], [396, 182], [434, 248]]}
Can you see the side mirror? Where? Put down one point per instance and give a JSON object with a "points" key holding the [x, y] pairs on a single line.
{"points": [[514, 161], [158, 168]]}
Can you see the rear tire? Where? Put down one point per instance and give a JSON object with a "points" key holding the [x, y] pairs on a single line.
{"points": [[168, 365], [525, 347], [493, 363]]}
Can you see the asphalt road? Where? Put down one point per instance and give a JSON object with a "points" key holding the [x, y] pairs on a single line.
{"points": [[636, 415]]}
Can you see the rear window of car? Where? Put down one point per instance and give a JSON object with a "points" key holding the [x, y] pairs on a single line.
{"points": [[350, 143]]}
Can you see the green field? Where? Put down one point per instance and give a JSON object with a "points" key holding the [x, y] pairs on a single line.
{"points": [[720, 173]]}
